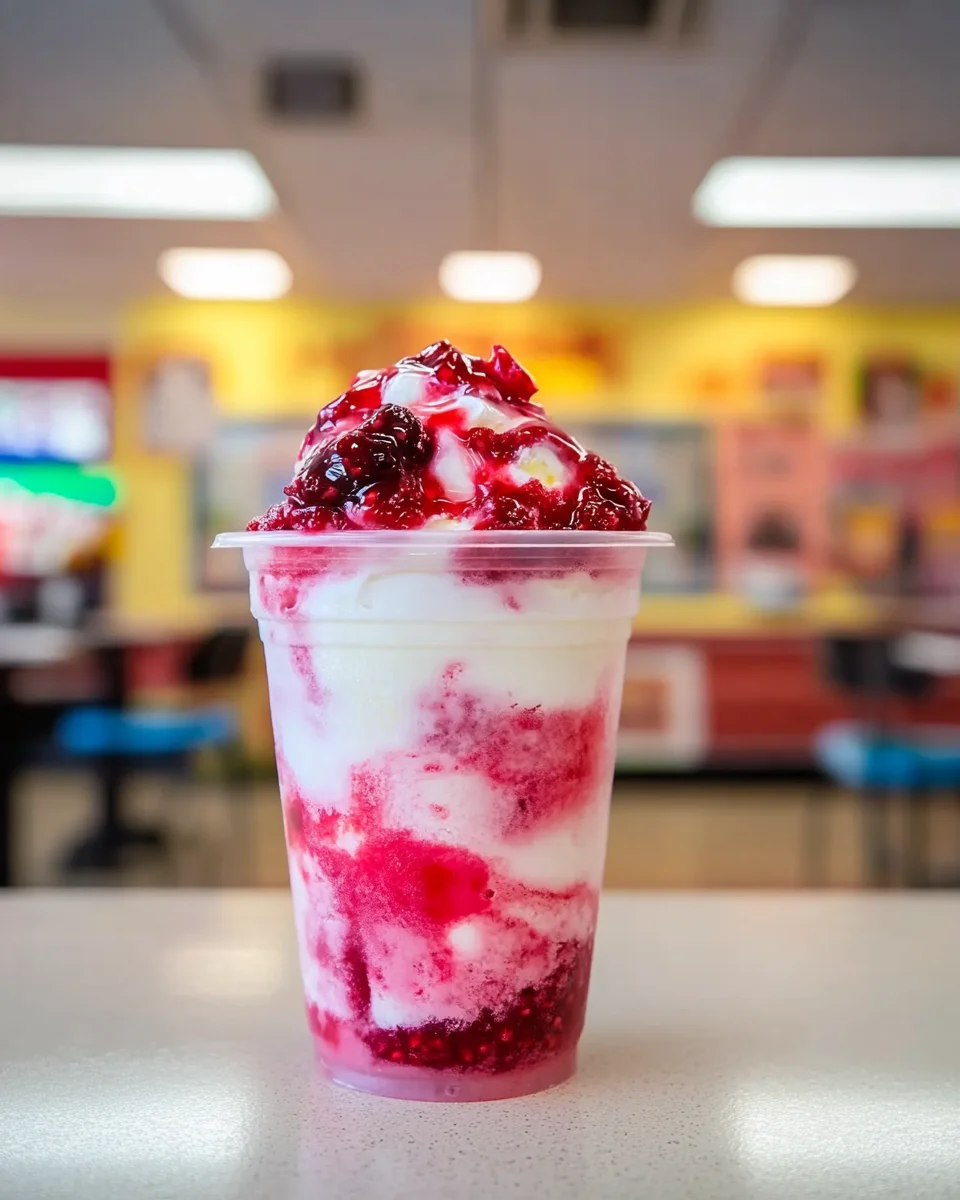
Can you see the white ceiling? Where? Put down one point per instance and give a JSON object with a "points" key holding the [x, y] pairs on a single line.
{"points": [[599, 148]]}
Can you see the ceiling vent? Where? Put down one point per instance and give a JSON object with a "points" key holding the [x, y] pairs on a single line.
{"points": [[311, 89], [540, 22]]}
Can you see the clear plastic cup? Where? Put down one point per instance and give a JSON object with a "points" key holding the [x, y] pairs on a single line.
{"points": [[445, 708]]}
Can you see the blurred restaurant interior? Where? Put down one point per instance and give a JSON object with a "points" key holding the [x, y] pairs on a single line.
{"points": [[722, 236]]}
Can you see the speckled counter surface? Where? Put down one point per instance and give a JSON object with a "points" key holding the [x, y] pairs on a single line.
{"points": [[783, 1046]]}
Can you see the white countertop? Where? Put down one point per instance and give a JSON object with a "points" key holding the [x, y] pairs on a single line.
{"points": [[153, 1045]]}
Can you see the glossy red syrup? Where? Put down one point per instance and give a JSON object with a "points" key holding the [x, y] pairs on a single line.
{"points": [[367, 464]]}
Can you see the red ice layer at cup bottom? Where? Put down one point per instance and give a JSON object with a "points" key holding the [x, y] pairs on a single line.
{"points": [[543, 766], [539, 1022], [446, 436]]}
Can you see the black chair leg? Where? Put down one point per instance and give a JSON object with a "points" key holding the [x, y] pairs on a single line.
{"points": [[950, 878], [875, 817], [102, 849], [954, 879], [815, 835], [917, 840]]}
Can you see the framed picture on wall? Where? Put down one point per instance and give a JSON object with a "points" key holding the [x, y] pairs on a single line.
{"points": [[663, 721], [242, 473], [772, 533], [178, 408], [672, 464]]}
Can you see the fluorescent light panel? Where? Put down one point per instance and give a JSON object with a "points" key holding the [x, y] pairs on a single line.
{"points": [[839, 193], [491, 276], [801, 280], [88, 181], [201, 274]]}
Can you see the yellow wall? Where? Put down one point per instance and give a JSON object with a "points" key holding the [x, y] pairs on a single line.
{"points": [[290, 357]]}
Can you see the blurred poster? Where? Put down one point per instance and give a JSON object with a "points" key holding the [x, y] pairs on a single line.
{"points": [[939, 551], [672, 465], [898, 393], [178, 407], [890, 392], [939, 394], [663, 720], [884, 492], [867, 539], [908, 469], [243, 472], [791, 388], [771, 510], [57, 410]]}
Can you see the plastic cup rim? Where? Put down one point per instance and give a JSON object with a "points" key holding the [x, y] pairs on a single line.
{"points": [[423, 539]]}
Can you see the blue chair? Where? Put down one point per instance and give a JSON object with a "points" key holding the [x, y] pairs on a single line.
{"points": [[116, 739], [97, 732], [881, 761], [863, 757]]}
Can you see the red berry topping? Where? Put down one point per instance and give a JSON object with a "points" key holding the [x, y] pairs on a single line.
{"points": [[411, 438], [512, 380], [370, 464], [386, 444], [448, 363], [501, 511]]}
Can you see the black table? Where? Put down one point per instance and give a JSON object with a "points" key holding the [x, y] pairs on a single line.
{"points": [[21, 647], [111, 638], [102, 846]]}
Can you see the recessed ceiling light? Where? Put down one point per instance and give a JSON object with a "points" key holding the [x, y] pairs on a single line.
{"points": [[880, 193], [89, 181], [491, 276], [804, 280], [225, 274]]}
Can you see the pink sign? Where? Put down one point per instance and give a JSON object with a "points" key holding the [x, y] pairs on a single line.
{"points": [[771, 499]]}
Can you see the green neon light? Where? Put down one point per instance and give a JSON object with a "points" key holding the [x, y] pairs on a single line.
{"points": [[97, 486]]}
